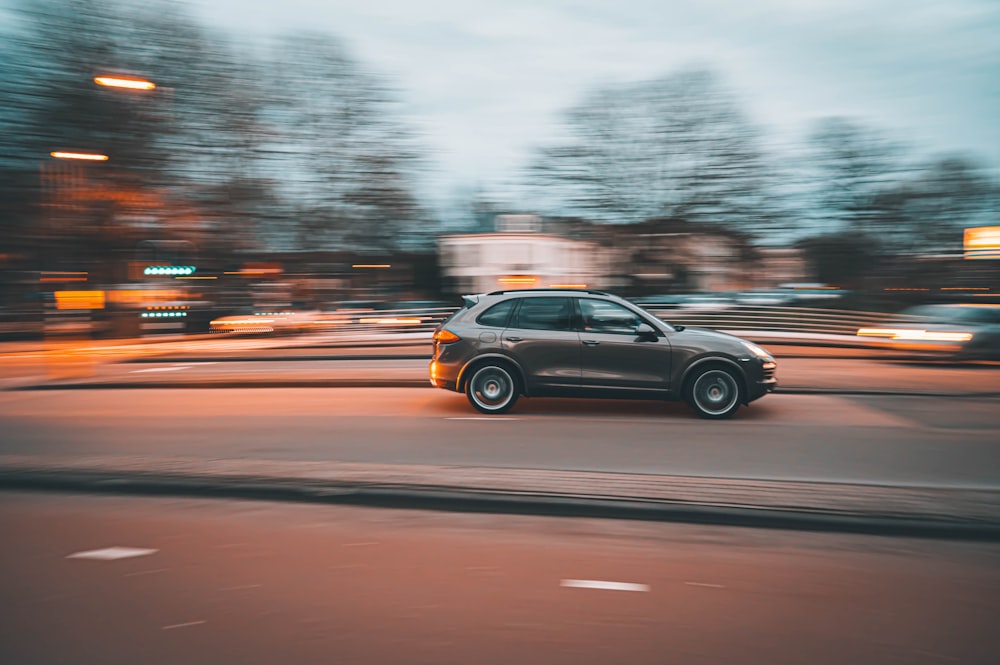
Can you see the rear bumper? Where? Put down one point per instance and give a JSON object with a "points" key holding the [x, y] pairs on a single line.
{"points": [[443, 376]]}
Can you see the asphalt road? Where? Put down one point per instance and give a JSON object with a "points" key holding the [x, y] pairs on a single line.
{"points": [[246, 582], [881, 440]]}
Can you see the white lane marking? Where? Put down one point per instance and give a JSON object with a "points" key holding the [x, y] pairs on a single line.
{"points": [[112, 553], [184, 625], [365, 544], [147, 572], [159, 369], [706, 584], [195, 364], [484, 418], [240, 588], [601, 584]]}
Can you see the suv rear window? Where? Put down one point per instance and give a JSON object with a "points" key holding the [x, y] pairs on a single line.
{"points": [[498, 315]]}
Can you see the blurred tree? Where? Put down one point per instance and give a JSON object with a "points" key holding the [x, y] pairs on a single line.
{"points": [[846, 259], [63, 211], [169, 148], [214, 100], [857, 181], [336, 134], [932, 208], [298, 150], [678, 147], [846, 175]]}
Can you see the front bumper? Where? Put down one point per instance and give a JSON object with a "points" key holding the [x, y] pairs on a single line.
{"points": [[764, 380]]}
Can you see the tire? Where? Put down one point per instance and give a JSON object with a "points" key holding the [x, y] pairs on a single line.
{"points": [[492, 388], [714, 393]]}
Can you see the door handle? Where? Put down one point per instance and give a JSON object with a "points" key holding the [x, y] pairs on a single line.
{"points": [[513, 339], [590, 342]]}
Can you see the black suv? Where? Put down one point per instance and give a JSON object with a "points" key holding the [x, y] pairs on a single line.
{"points": [[583, 343]]}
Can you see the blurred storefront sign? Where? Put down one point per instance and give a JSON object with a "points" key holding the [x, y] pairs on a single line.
{"points": [[259, 270], [79, 300], [982, 242]]}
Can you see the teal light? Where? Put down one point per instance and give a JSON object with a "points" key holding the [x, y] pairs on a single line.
{"points": [[170, 270]]}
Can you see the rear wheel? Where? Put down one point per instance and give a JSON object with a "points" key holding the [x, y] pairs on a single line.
{"points": [[492, 389], [714, 392]]}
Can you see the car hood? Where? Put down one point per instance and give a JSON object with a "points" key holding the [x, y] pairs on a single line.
{"points": [[708, 333], [707, 339]]}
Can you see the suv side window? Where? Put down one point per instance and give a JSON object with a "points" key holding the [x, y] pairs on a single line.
{"points": [[497, 315], [545, 314], [601, 316]]}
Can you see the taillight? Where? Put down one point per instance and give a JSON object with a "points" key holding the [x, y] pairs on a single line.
{"points": [[445, 337]]}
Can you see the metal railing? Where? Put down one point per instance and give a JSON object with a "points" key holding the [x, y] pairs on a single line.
{"points": [[775, 319], [761, 318]]}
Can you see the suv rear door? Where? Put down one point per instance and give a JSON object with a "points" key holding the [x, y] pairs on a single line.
{"points": [[542, 337]]}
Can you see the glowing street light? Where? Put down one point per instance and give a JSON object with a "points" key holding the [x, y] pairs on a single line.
{"points": [[86, 156], [131, 84]]}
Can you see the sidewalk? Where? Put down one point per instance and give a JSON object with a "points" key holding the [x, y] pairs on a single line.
{"points": [[962, 514]]}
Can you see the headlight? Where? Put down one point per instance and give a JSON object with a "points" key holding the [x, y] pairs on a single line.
{"points": [[758, 351]]}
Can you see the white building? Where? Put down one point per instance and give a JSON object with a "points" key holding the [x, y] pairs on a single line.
{"points": [[518, 255]]}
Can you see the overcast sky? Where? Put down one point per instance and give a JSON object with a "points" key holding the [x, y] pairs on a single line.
{"points": [[486, 80]]}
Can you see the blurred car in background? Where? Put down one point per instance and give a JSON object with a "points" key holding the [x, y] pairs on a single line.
{"points": [[660, 301], [686, 301], [960, 331], [773, 297], [356, 316], [271, 322], [709, 302]]}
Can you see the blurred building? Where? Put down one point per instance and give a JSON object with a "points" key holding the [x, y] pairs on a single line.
{"points": [[662, 256], [781, 265], [658, 256], [518, 254]]}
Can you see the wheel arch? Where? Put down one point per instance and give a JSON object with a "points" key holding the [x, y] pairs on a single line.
{"points": [[707, 362]]}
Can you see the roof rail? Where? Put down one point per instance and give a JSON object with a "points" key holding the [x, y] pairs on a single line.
{"points": [[592, 291]]}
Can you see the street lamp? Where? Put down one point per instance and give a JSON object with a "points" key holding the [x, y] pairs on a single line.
{"points": [[128, 83], [85, 156]]}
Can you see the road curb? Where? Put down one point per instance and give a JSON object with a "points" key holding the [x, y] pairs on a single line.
{"points": [[225, 384], [882, 393], [152, 360], [831, 507]]}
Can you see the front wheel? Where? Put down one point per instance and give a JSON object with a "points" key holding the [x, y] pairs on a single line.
{"points": [[714, 393], [492, 389]]}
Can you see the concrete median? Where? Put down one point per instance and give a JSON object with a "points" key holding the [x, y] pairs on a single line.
{"points": [[884, 510]]}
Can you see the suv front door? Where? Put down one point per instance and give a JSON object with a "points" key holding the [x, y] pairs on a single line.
{"points": [[613, 356], [542, 337]]}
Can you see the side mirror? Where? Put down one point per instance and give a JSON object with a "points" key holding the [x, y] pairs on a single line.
{"points": [[645, 331]]}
